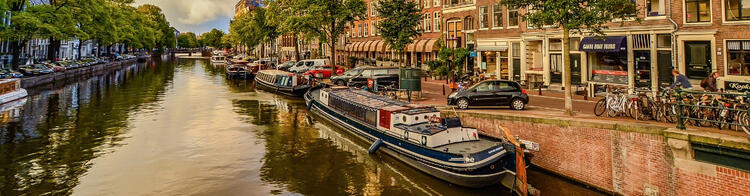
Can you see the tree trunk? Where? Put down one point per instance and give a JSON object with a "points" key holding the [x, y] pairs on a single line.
{"points": [[53, 49], [296, 47], [80, 45], [333, 58], [16, 47], [566, 72]]}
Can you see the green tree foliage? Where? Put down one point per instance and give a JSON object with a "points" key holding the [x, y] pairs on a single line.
{"points": [[573, 15], [290, 17], [329, 20], [213, 38], [105, 21], [399, 26], [188, 40]]}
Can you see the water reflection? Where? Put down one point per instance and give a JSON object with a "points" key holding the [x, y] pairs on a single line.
{"points": [[181, 128]]}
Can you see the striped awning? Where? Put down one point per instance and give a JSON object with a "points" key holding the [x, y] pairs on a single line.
{"points": [[431, 46], [413, 46], [381, 46], [374, 46], [366, 46]]}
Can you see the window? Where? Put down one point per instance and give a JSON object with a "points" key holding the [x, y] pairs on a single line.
{"points": [[427, 23], [497, 16], [738, 62], [697, 11], [435, 3], [367, 30], [469, 23], [737, 10], [512, 18], [373, 28], [425, 3], [655, 7], [373, 8], [663, 41], [437, 22], [483, 17]]}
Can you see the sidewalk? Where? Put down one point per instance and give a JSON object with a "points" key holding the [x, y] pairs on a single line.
{"points": [[549, 104]]}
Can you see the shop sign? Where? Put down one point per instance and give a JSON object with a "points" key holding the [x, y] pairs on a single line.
{"points": [[737, 86], [599, 46], [473, 54]]}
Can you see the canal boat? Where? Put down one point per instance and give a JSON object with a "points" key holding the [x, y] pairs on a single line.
{"points": [[238, 71], [218, 59], [419, 137], [10, 90], [282, 82]]}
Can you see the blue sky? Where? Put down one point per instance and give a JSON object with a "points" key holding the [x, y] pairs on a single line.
{"points": [[197, 16]]}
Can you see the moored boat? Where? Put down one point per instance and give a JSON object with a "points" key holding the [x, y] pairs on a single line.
{"points": [[218, 59], [10, 90], [238, 71], [282, 82], [418, 136]]}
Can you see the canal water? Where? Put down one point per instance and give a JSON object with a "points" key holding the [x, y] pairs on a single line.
{"points": [[180, 128]]}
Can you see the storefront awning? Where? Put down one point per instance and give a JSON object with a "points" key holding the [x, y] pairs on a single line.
{"points": [[420, 46], [380, 47], [354, 46], [349, 47], [366, 47], [360, 46], [608, 44], [374, 46], [413, 46], [431, 46]]}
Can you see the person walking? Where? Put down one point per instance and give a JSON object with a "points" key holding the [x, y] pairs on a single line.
{"points": [[709, 84], [681, 80]]}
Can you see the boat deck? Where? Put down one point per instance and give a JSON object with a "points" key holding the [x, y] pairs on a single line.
{"points": [[455, 148]]}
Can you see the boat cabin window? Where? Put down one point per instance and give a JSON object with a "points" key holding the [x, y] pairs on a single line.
{"points": [[367, 73]]}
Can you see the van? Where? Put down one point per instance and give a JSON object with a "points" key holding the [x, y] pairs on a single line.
{"points": [[304, 65]]}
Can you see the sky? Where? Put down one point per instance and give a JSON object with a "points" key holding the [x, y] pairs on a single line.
{"points": [[196, 16]]}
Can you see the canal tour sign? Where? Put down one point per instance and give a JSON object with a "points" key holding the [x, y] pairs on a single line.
{"points": [[608, 44], [737, 86]]}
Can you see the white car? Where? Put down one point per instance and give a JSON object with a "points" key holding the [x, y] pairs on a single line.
{"points": [[304, 65]]}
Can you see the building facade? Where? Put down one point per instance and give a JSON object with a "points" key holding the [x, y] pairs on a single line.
{"points": [[696, 37]]}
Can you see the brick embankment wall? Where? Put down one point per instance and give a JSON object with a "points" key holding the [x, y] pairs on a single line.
{"points": [[627, 159], [30, 82]]}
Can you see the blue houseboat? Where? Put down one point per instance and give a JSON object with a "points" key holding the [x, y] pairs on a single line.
{"points": [[282, 82], [418, 136]]}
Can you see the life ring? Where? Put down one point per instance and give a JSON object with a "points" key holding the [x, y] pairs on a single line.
{"points": [[406, 135]]}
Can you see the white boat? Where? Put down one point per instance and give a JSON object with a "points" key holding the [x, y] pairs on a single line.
{"points": [[10, 90], [218, 59]]}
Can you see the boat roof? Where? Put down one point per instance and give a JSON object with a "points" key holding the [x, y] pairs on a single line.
{"points": [[422, 128], [275, 72], [373, 101]]}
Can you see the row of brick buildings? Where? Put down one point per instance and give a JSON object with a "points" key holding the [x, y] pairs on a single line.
{"points": [[696, 37]]}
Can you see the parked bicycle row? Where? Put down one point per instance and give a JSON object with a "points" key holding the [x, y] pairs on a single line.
{"points": [[702, 109]]}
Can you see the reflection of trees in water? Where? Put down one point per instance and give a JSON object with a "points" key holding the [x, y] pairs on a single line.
{"points": [[63, 128]]}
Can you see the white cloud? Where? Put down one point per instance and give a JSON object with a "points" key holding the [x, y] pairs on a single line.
{"points": [[183, 13]]}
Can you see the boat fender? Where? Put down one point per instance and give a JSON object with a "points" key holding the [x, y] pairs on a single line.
{"points": [[374, 147]]}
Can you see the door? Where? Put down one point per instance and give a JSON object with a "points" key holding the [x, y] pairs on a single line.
{"points": [[575, 69], [697, 59], [556, 68], [483, 94]]}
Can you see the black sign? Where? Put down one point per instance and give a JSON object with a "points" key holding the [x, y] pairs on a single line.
{"points": [[737, 86]]}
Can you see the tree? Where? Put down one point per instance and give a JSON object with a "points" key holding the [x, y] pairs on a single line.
{"points": [[573, 15], [329, 20], [187, 40], [399, 26], [213, 38], [290, 17]]}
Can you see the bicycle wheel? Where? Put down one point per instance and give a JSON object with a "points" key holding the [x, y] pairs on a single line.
{"points": [[635, 110], [707, 115], [600, 107]]}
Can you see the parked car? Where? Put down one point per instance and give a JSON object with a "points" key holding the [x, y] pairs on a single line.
{"points": [[491, 93], [323, 71], [304, 65], [357, 77], [34, 70], [7, 73], [286, 65]]}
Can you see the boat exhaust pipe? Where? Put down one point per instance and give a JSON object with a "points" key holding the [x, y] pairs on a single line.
{"points": [[374, 147]]}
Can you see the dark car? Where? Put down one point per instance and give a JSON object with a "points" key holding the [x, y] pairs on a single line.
{"points": [[357, 77], [491, 93], [286, 65]]}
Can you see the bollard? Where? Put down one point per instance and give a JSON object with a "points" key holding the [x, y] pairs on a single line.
{"points": [[540, 89], [443, 89], [586, 94], [680, 121]]}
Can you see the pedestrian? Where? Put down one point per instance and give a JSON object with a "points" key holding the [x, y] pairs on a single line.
{"points": [[709, 84], [681, 80]]}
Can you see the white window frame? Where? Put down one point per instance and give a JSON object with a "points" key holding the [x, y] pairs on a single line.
{"points": [[425, 3], [662, 16], [518, 18], [710, 14], [435, 3], [481, 18], [436, 27], [367, 29], [494, 20], [428, 22], [373, 28]]}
